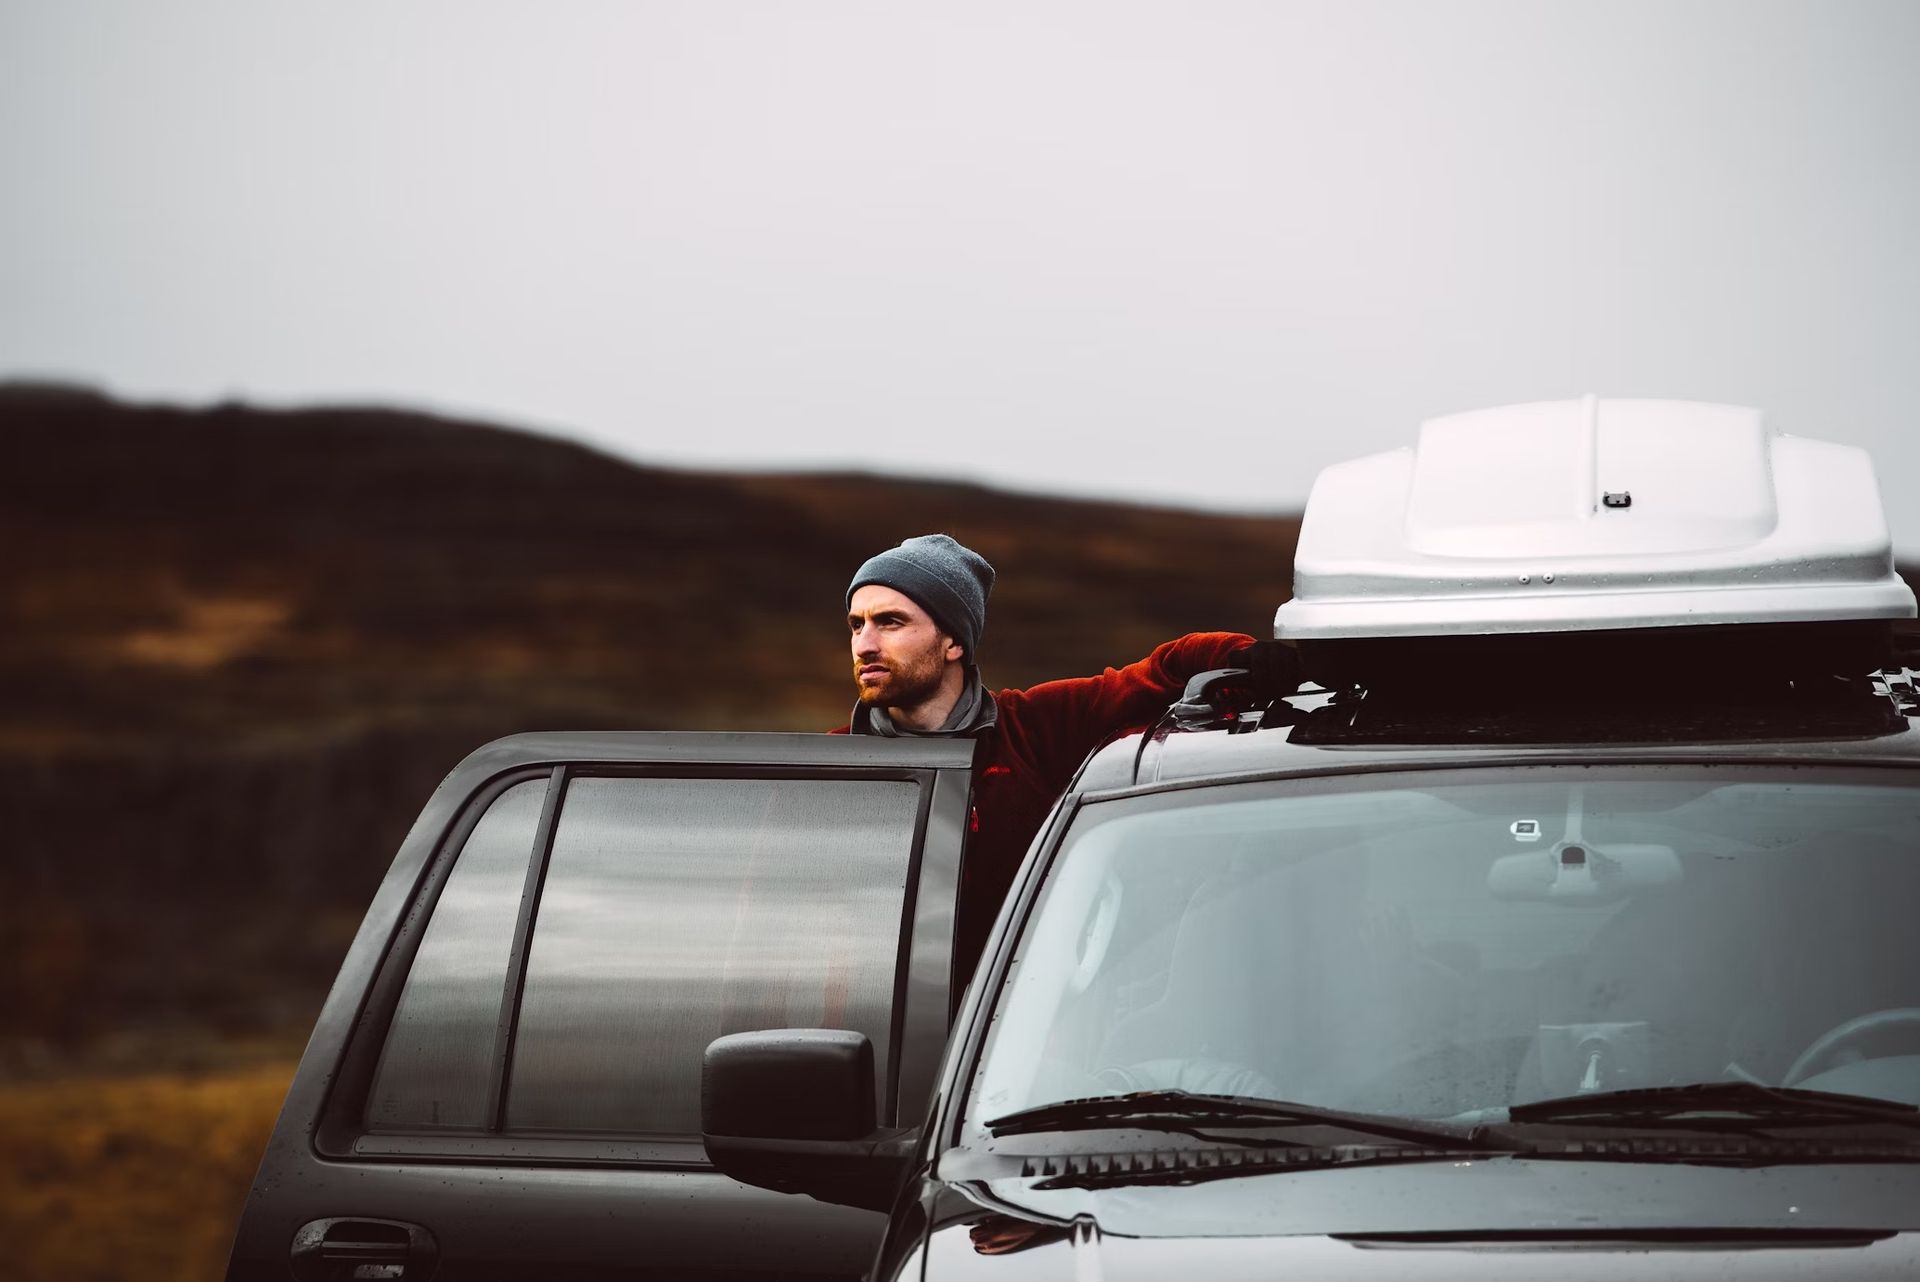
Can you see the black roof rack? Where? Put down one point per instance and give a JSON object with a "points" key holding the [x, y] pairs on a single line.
{"points": [[1559, 705], [1834, 708]]}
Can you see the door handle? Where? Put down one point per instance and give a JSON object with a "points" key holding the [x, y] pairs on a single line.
{"points": [[356, 1249]]}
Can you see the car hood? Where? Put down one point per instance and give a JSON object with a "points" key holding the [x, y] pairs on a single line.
{"points": [[1490, 1218]]}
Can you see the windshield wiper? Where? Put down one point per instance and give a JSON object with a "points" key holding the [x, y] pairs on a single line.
{"points": [[1182, 1111], [1719, 1106]]}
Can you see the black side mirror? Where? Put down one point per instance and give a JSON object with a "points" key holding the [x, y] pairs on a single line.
{"points": [[792, 1109]]}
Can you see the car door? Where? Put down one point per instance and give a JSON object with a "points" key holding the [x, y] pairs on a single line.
{"points": [[504, 1081]]}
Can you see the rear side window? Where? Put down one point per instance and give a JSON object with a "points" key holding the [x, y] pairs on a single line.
{"points": [[678, 910], [670, 911], [437, 1068]]}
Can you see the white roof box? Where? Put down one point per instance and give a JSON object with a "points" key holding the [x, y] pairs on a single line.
{"points": [[1567, 516]]}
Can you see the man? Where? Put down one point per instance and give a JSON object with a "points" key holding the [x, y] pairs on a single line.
{"points": [[915, 614]]}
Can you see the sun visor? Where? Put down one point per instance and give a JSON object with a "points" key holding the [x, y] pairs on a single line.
{"points": [[1570, 516]]}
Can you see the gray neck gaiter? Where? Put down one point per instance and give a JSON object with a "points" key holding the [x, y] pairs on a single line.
{"points": [[974, 710]]}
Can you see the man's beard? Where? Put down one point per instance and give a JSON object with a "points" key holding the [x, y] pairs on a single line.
{"points": [[909, 682]]}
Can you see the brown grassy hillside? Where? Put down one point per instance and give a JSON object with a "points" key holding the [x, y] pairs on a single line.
{"points": [[238, 648], [136, 1177]]}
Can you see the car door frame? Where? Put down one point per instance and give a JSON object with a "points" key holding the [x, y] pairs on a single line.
{"points": [[322, 1161]]}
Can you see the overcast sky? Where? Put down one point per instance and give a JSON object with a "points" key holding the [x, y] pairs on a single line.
{"points": [[1182, 251]]}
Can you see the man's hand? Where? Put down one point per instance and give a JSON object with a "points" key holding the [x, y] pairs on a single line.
{"points": [[1274, 666]]}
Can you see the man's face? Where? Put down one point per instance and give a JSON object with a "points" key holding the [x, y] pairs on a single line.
{"points": [[899, 654]]}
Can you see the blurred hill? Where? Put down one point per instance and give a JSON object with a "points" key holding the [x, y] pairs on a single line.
{"points": [[239, 647]]}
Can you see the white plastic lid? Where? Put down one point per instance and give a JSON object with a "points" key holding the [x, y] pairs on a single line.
{"points": [[1577, 515]]}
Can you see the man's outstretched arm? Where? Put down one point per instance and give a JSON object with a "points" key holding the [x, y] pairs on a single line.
{"points": [[1074, 716]]}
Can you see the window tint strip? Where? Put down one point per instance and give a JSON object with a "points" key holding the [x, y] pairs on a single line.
{"points": [[926, 987], [517, 956], [888, 1103]]}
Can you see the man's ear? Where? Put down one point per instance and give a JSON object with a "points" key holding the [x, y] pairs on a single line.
{"points": [[955, 651]]}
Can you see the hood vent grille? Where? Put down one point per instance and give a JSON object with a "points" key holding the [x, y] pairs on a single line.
{"points": [[1175, 1161]]}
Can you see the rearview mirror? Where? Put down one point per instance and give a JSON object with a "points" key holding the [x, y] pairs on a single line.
{"points": [[1581, 873]]}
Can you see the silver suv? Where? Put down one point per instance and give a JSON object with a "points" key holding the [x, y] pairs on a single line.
{"points": [[1547, 936]]}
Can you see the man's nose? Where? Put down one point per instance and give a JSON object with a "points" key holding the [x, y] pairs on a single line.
{"points": [[866, 640]]}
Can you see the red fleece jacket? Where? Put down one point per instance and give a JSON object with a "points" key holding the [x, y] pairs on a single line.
{"points": [[1026, 759]]}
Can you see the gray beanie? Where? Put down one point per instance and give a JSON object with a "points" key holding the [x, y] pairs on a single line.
{"points": [[949, 580]]}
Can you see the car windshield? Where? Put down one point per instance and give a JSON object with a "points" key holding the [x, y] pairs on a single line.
{"points": [[1453, 943]]}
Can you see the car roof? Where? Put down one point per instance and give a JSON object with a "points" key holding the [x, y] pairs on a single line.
{"points": [[1162, 757]]}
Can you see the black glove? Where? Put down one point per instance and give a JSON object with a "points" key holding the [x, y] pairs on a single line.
{"points": [[1273, 667]]}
